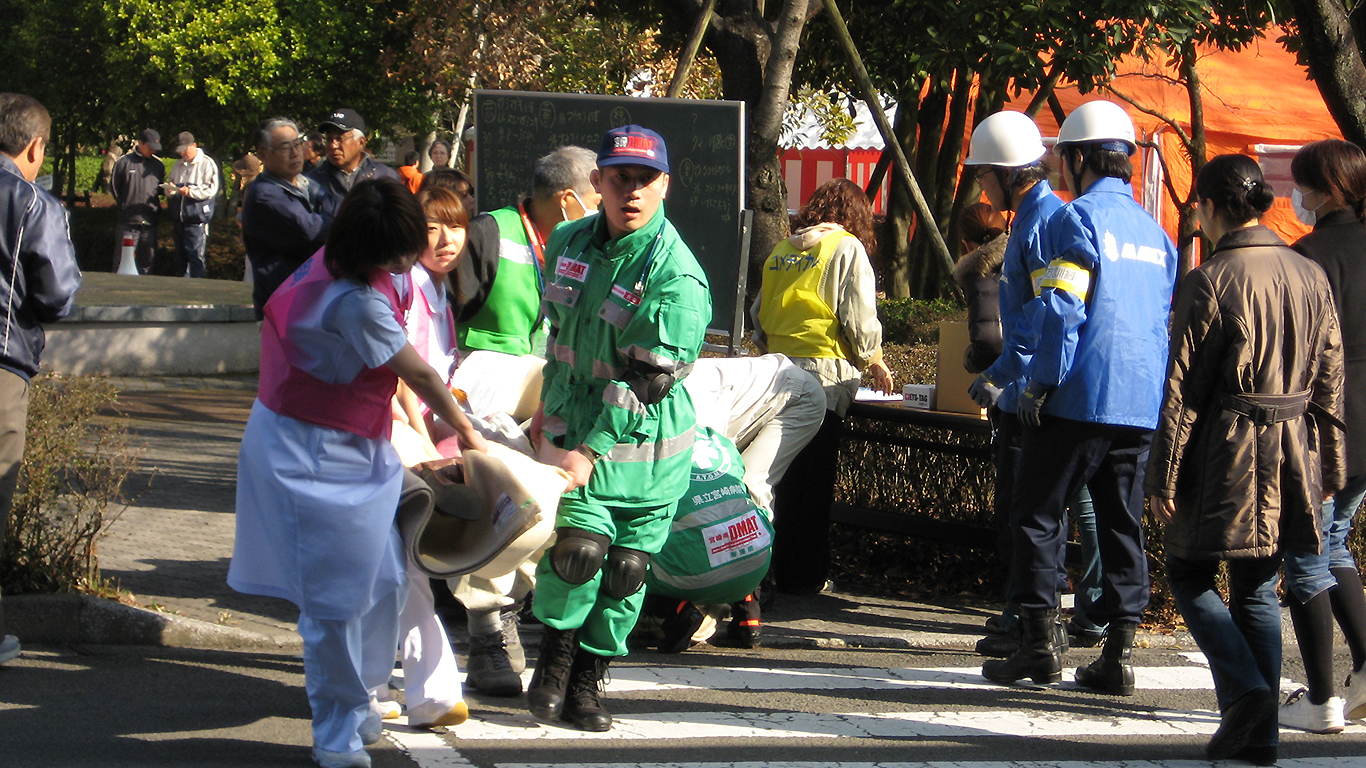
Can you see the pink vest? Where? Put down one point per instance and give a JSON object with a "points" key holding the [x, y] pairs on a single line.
{"points": [[360, 406], [420, 328]]}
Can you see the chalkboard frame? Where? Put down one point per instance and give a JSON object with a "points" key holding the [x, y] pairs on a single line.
{"points": [[722, 257]]}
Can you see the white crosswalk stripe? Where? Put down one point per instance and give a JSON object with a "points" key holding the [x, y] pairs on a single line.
{"points": [[432, 751]]}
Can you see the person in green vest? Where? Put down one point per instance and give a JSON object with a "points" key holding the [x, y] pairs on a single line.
{"points": [[505, 257], [628, 306]]}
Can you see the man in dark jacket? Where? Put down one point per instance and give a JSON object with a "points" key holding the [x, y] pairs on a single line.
{"points": [[285, 215], [347, 160], [35, 244], [136, 184]]}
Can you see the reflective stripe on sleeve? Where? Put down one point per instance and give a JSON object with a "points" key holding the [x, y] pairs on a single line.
{"points": [[658, 450], [622, 397], [1066, 276], [665, 364]]}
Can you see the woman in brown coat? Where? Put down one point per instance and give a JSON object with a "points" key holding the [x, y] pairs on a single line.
{"points": [[1247, 445]]}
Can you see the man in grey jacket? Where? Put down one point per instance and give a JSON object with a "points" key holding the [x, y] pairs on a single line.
{"points": [[35, 248], [136, 183], [192, 189]]}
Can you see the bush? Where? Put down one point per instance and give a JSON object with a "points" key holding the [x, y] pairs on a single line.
{"points": [[916, 321], [73, 471]]}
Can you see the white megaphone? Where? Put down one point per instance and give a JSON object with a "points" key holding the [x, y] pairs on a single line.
{"points": [[128, 265]]}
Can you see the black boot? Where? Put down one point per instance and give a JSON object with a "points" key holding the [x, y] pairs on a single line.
{"points": [[1039, 657], [744, 627], [545, 695], [582, 707], [1000, 646], [1113, 672]]}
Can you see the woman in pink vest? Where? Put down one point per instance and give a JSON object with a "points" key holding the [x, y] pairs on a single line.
{"points": [[318, 482], [430, 286]]}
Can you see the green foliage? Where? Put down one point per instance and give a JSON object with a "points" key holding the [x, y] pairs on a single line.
{"points": [[915, 321], [74, 469]]}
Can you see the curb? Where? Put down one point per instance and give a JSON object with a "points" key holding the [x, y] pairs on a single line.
{"points": [[86, 620]]}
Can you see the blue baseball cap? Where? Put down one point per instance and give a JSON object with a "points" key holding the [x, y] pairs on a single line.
{"points": [[633, 145]]}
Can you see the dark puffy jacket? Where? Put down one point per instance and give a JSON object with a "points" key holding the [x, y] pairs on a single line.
{"points": [[330, 178], [282, 225], [38, 272], [979, 275], [1338, 244], [136, 184], [1254, 322]]}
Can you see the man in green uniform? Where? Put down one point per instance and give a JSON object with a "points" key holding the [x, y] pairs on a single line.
{"points": [[501, 275], [628, 306]]}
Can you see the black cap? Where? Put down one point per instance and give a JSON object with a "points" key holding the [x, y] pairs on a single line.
{"points": [[152, 139], [343, 119]]}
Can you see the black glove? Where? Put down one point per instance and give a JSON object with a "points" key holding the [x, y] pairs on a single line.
{"points": [[983, 392], [1030, 406]]}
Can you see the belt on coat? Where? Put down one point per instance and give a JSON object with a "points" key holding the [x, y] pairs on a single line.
{"points": [[1264, 410]]}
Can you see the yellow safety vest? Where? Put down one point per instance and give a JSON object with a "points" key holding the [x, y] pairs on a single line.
{"points": [[796, 320]]}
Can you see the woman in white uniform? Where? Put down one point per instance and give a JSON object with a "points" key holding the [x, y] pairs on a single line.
{"points": [[318, 482]]}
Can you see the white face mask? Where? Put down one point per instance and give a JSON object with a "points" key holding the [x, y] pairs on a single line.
{"points": [[1306, 216], [586, 210]]}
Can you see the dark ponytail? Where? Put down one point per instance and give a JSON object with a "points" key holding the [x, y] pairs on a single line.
{"points": [[1234, 183]]}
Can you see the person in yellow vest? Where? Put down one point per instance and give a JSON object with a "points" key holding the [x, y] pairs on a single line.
{"points": [[817, 305]]}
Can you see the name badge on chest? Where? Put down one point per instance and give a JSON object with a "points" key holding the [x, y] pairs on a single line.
{"points": [[572, 269]]}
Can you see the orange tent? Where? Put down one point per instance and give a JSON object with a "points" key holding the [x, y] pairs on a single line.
{"points": [[1256, 102]]}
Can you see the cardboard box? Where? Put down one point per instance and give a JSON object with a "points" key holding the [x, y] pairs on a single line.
{"points": [[952, 379], [918, 396]]}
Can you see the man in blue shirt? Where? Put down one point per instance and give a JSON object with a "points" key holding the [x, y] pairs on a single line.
{"points": [[1007, 157], [1092, 398]]}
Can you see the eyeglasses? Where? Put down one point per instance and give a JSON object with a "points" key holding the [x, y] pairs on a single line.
{"points": [[338, 138], [977, 177]]}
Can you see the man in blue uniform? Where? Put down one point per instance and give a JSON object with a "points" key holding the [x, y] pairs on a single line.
{"points": [[1006, 156], [1094, 388]]}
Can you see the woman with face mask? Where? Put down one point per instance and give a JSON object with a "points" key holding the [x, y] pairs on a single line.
{"points": [[1330, 188]]}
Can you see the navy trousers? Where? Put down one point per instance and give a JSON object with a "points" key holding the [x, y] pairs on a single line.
{"points": [[190, 242], [1056, 460]]}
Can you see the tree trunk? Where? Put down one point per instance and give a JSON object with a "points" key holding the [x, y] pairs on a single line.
{"points": [[896, 236], [1186, 225], [1334, 52], [756, 58], [924, 273]]}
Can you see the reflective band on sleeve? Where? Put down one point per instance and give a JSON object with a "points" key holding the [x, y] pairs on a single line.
{"points": [[1036, 277], [622, 397], [1066, 276], [658, 450], [665, 364]]}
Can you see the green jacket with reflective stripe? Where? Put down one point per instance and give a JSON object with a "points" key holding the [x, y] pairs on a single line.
{"points": [[509, 315], [639, 301], [720, 541]]}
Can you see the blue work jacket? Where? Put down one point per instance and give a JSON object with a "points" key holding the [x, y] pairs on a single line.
{"points": [[1102, 320], [1023, 262]]}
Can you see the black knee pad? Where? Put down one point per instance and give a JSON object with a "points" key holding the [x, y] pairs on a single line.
{"points": [[625, 572], [577, 554]]}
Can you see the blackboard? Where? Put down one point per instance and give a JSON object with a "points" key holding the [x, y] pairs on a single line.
{"points": [[706, 143]]}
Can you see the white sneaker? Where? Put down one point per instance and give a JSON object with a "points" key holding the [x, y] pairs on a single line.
{"points": [[434, 713], [327, 759], [9, 648], [388, 709], [1355, 708], [1299, 712]]}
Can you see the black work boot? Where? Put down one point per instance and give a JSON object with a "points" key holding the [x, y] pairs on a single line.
{"points": [[1039, 657], [744, 627], [582, 706], [545, 695], [1113, 672], [679, 625]]}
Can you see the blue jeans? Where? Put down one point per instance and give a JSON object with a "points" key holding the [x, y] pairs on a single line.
{"points": [[1088, 588], [1307, 573], [1241, 640]]}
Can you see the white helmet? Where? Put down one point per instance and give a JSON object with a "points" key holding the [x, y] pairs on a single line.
{"points": [[1098, 121], [1008, 139]]}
